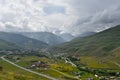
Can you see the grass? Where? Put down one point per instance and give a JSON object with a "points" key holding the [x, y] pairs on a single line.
{"points": [[26, 61], [87, 75], [65, 71], [100, 44], [115, 55], [58, 68], [96, 62], [11, 72]]}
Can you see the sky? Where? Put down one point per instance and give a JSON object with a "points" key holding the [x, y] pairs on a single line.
{"points": [[63, 16]]}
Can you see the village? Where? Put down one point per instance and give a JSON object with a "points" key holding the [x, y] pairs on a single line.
{"points": [[64, 65], [38, 65]]}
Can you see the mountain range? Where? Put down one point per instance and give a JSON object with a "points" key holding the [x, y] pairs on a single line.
{"points": [[85, 34], [102, 43], [4, 45], [66, 36], [22, 41], [45, 37]]}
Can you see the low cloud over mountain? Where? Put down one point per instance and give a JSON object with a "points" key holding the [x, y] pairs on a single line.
{"points": [[66, 16]]}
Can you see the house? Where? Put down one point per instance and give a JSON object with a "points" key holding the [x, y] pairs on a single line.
{"points": [[96, 76], [39, 64]]}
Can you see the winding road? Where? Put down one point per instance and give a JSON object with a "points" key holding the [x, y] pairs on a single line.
{"points": [[43, 75]]}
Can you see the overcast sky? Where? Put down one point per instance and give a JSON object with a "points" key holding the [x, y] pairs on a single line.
{"points": [[65, 16]]}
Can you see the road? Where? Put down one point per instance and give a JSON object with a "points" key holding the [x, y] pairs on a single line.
{"points": [[117, 64], [67, 60], [43, 75]]}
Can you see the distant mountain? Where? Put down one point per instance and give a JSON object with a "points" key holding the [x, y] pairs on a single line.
{"points": [[22, 41], [4, 45], [46, 37], [102, 43], [67, 36]]}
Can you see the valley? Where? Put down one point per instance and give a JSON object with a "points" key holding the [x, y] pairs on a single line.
{"points": [[62, 67], [59, 39], [10, 72], [94, 57], [48, 66]]}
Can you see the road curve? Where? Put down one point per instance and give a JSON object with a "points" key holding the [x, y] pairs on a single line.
{"points": [[43, 75]]}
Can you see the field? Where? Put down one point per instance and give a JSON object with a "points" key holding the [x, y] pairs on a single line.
{"points": [[52, 71], [57, 67], [87, 67], [11, 72], [96, 62]]}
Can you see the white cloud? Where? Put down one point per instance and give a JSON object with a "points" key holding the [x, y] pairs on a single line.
{"points": [[72, 16], [2, 26]]}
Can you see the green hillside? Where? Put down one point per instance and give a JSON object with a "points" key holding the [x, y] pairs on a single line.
{"points": [[101, 50], [99, 44], [4, 45], [22, 41], [46, 37], [10, 72]]}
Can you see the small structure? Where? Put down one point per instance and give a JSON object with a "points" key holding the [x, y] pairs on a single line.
{"points": [[39, 64], [96, 76]]}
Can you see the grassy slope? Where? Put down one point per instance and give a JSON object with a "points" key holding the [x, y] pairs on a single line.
{"points": [[97, 62], [4, 45], [25, 62], [97, 50], [100, 43], [115, 55], [46, 37], [22, 40], [11, 72]]}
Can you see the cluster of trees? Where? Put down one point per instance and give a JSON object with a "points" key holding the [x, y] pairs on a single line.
{"points": [[101, 72]]}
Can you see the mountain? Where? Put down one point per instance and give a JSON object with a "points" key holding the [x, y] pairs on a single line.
{"points": [[67, 36], [22, 41], [4, 45], [102, 43], [85, 34], [46, 37]]}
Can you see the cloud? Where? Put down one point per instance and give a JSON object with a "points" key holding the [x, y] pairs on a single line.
{"points": [[2, 26], [70, 16], [98, 21]]}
